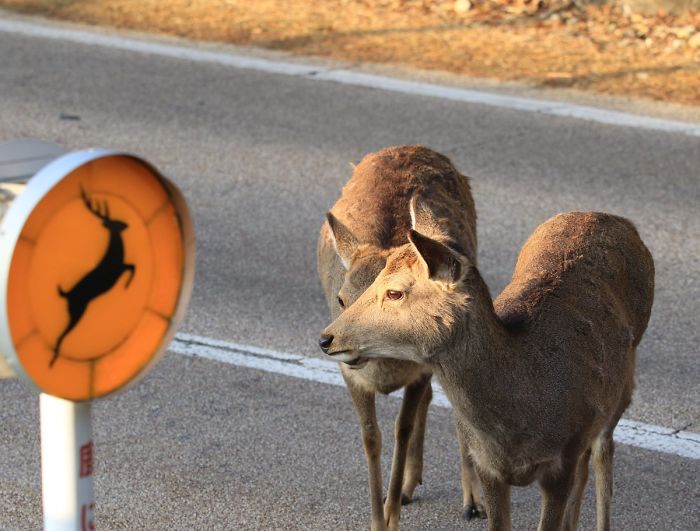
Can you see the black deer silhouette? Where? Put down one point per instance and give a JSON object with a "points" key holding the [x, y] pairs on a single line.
{"points": [[103, 277]]}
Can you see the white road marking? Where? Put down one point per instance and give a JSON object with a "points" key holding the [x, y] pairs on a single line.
{"points": [[629, 432], [347, 77]]}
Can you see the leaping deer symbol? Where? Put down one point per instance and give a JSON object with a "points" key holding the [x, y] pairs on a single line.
{"points": [[103, 277]]}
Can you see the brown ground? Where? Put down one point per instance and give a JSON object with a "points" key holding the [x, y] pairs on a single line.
{"points": [[557, 43]]}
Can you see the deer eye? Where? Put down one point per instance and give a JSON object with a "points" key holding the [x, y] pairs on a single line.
{"points": [[341, 302], [393, 295]]}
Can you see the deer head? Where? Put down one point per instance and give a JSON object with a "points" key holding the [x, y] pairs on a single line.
{"points": [[412, 307], [362, 263], [101, 210]]}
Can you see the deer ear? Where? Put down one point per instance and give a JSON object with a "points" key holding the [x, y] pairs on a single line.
{"points": [[424, 220], [441, 262], [344, 241]]}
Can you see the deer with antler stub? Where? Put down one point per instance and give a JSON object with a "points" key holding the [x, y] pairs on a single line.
{"points": [[102, 277], [364, 229], [538, 378]]}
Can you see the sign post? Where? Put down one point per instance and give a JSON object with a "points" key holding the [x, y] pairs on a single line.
{"points": [[96, 269], [66, 464]]}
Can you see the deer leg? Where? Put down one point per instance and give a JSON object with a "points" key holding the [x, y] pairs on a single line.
{"points": [[573, 508], [57, 348], [603, 449], [372, 441], [497, 499], [556, 489], [412, 396], [75, 312], [131, 268], [413, 475], [472, 505]]}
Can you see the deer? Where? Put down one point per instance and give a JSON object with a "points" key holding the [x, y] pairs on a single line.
{"points": [[102, 277], [539, 378], [367, 224]]}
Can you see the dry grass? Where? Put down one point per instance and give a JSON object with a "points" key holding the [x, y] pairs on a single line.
{"points": [[602, 49]]}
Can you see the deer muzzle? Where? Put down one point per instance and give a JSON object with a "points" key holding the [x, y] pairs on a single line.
{"points": [[325, 342], [346, 356]]}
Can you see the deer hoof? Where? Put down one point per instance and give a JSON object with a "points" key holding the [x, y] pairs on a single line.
{"points": [[468, 512], [473, 511]]}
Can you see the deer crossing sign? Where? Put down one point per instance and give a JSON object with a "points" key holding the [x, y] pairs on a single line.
{"points": [[96, 267]]}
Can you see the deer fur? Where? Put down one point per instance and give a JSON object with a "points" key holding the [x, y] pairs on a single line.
{"points": [[364, 229], [538, 378]]}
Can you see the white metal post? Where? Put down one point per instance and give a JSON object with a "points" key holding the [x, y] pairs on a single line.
{"points": [[66, 464]]}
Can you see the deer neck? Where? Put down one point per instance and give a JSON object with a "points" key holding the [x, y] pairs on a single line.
{"points": [[482, 366], [115, 245]]}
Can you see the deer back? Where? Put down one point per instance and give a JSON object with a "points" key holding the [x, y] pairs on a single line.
{"points": [[594, 260]]}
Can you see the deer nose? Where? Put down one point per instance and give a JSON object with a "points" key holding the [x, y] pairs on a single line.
{"points": [[325, 342]]}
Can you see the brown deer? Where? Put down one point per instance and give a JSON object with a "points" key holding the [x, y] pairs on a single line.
{"points": [[364, 228], [102, 277], [539, 378]]}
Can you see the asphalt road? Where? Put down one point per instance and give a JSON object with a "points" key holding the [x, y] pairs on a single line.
{"points": [[260, 157]]}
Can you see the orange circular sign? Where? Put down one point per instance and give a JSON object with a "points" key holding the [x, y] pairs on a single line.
{"points": [[99, 275]]}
